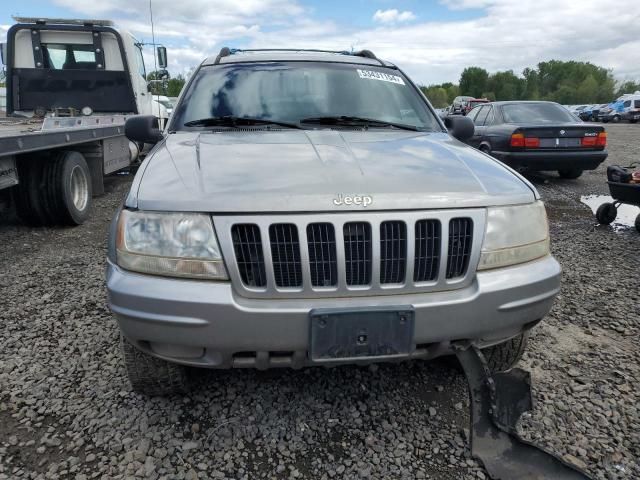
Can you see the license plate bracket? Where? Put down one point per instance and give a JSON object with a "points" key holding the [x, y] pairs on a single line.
{"points": [[360, 334]]}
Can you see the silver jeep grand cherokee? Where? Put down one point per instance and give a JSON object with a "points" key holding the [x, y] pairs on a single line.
{"points": [[310, 208]]}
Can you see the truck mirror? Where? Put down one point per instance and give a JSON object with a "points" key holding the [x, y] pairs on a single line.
{"points": [[460, 127], [162, 57], [3, 53], [143, 128]]}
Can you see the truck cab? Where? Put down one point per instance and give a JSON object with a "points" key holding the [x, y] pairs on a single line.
{"points": [[62, 67]]}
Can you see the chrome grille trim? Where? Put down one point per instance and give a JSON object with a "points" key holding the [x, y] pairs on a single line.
{"points": [[225, 223]]}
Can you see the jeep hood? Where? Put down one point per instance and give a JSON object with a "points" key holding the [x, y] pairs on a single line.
{"points": [[304, 171]]}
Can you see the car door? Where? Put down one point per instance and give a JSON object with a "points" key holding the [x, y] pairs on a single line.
{"points": [[478, 121]]}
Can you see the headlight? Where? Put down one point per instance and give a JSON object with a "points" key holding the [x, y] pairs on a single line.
{"points": [[514, 234], [170, 244]]}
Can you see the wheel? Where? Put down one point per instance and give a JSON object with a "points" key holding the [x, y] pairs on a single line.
{"points": [[633, 120], [69, 188], [615, 119], [570, 173], [27, 194], [150, 375], [485, 149], [607, 213], [638, 223], [54, 190], [505, 355]]}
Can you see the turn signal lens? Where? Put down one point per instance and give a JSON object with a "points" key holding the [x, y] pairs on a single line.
{"points": [[602, 139], [517, 140]]}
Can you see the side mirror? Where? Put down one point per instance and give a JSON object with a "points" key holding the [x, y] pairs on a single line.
{"points": [[3, 53], [162, 57], [460, 127], [143, 128]]}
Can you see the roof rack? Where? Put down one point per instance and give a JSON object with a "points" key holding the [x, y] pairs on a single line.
{"points": [[226, 51]]}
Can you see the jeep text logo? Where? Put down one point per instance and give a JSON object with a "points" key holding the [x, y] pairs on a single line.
{"points": [[364, 200]]}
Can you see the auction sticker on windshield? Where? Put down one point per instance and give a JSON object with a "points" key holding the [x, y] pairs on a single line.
{"points": [[385, 77]]}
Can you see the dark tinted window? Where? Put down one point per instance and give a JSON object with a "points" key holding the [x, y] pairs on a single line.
{"points": [[636, 104], [627, 103], [535, 113], [482, 115], [291, 91]]}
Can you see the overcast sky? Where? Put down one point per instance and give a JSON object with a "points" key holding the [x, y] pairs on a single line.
{"points": [[432, 40]]}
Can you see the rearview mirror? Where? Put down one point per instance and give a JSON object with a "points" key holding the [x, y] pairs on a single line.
{"points": [[460, 127], [162, 57], [143, 128], [3, 53]]}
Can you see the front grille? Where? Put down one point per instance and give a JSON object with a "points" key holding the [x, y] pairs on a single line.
{"points": [[460, 237], [285, 254], [357, 253], [348, 254], [427, 252], [247, 245], [323, 262], [393, 251]]}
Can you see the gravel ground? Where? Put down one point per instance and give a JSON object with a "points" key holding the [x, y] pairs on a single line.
{"points": [[66, 410]]}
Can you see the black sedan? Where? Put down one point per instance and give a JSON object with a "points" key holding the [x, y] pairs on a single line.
{"points": [[538, 136]]}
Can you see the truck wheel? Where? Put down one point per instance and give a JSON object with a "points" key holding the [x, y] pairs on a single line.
{"points": [[607, 213], [68, 187], [503, 356], [615, 119], [570, 174], [150, 375], [27, 194]]}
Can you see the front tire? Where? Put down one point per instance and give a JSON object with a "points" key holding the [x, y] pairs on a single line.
{"points": [[570, 174], [505, 355], [150, 375], [615, 119], [607, 213]]}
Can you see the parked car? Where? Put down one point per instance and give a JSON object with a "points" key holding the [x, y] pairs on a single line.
{"points": [[611, 113], [538, 136], [310, 208], [588, 112], [471, 104], [457, 107], [577, 109]]}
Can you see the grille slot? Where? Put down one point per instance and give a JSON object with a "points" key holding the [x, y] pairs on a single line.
{"points": [[323, 265], [285, 254], [247, 245], [460, 235], [427, 251], [357, 253], [393, 251]]}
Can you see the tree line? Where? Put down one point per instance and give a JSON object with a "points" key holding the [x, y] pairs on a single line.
{"points": [[563, 82]]}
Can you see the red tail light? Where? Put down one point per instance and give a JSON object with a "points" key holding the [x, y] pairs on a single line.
{"points": [[517, 140], [589, 141], [602, 139], [531, 142]]}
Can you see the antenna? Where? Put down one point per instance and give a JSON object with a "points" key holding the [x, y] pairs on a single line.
{"points": [[155, 61]]}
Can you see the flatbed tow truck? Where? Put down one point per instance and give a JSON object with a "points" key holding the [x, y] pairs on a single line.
{"points": [[71, 85]]}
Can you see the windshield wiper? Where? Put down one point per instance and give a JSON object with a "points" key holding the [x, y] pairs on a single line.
{"points": [[348, 120], [237, 122]]}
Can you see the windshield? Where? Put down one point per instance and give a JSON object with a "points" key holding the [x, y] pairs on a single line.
{"points": [[293, 91], [536, 113]]}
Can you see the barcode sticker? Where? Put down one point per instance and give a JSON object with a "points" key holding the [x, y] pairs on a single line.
{"points": [[384, 77]]}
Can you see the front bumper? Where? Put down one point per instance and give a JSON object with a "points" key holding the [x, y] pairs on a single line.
{"points": [[207, 324], [553, 160]]}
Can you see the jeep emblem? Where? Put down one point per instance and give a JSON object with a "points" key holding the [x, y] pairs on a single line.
{"points": [[364, 200]]}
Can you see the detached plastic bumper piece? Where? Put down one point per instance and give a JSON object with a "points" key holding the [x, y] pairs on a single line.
{"points": [[497, 402]]}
